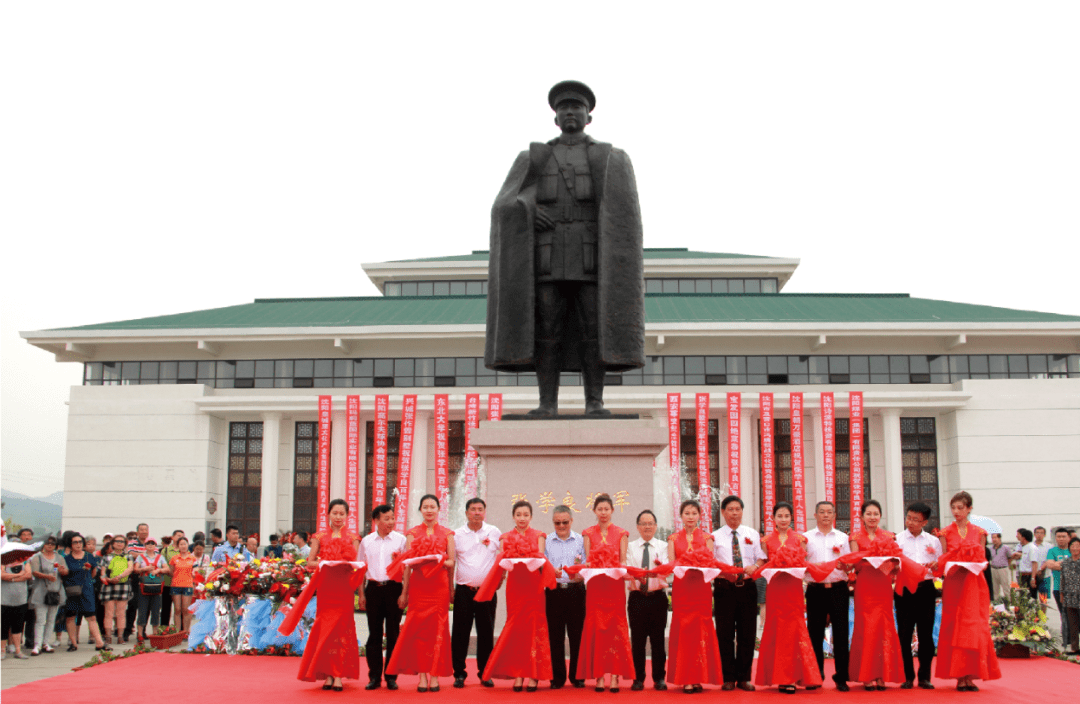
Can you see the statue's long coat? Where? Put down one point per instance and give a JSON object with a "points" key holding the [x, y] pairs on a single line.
{"points": [[511, 301]]}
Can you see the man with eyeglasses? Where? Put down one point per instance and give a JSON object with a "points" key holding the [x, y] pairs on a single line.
{"points": [[566, 602], [647, 605]]}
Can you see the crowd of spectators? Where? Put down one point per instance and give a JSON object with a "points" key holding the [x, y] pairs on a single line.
{"points": [[130, 583]]}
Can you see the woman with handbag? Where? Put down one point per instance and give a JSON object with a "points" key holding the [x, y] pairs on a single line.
{"points": [[151, 568], [47, 595], [79, 588], [116, 590]]}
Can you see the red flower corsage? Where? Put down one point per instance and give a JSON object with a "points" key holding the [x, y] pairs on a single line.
{"points": [[86, 565], [657, 562], [836, 550], [930, 550], [486, 542], [394, 555], [748, 541]]}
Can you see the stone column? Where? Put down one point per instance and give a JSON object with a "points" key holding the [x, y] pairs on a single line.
{"points": [[270, 460], [338, 449], [894, 471]]}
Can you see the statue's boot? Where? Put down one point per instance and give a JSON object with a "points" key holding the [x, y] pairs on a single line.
{"points": [[547, 377], [592, 373]]}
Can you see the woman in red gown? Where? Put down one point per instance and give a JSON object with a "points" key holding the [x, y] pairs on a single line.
{"points": [[331, 652], [875, 646], [423, 647], [786, 657], [522, 650], [965, 648], [694, 652], [605, 640]]}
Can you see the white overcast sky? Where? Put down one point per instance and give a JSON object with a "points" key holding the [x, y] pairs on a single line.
{"points": [[166, 157]]}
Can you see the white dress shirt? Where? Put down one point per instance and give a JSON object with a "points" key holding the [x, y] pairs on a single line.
{"points": [[474, 558], [657, 551], [821, 547], [1028, 554], [751, 552], [923, 548], [378, 553]]}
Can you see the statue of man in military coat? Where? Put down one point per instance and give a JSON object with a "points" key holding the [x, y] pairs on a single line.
{"points": [[565, 278]]}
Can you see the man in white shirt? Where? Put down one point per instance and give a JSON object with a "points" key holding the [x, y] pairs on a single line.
{"points": [[647, 605], [380, 594], [475, 546], [828, 601], [916, 611], [735, 599], [1027, 570], [1042, 551], [565, 603]]}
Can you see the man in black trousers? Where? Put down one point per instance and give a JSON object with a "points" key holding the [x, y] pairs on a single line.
{"points": [[475, 546], [379, 598], [828, 601], [916, 611], [735, 598], [647, 605], [566, 602]]}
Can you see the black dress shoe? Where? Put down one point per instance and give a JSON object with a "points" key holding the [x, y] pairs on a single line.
{"points": [[637, 686], [421, 689], [459, 683], [698, 689], [787, 688], [926, 684], [842, 687], [613, 690], [337, 688], [728, 686], [391, 684], [660, 686], [433, 689], [531, 687], [745, 686], [373, 684], [578, 684], [557, 685], [327, 686], [812, 687], [518, 688], [907, 685], [487, 683]]}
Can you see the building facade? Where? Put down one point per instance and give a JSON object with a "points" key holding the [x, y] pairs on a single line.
{"points": [[207, 418]]}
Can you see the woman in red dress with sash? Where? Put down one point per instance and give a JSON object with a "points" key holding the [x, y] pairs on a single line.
{"points": [[694, 653], [786, 657], [605, 640], [965, 648], [522, 650], [875, 646], [331, 650], [423, 647]]}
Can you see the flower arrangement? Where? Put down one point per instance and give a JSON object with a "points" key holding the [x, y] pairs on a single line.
{"points": [[280, 579], [1020, 620]]}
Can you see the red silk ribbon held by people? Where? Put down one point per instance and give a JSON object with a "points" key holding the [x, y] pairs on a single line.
{"points": [[606, 557], [791, 557], [294, 612], [702, 559], [430, 547], [514, 546], [964, 552], [907, 577]]}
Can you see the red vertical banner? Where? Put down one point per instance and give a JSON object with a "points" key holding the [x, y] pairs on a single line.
{"points": [[405, 455], [494, 407], [798, 466], [382, 432], [442, 454], [855, 401], [734, 414], [324, 463], [674, 401], [701, 407], [828, 443], [472, 420], [352, 461], [768, 459]]}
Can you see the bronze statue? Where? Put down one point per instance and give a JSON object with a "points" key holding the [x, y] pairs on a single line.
{"points": [[565, 278]]}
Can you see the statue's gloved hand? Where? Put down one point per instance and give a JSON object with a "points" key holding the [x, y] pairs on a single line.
{"points": [[543, 222]]}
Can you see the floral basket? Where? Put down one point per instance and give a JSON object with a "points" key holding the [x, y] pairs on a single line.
{"points": [[167, 639], [1018, 625]]}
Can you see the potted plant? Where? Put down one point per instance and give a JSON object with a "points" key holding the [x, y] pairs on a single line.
{"points": [[1018, 625], [166, 637]]}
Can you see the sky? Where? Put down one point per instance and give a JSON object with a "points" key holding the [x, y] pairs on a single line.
{"points": [[161, 157]]}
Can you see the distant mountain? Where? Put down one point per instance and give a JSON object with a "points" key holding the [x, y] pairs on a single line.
{"points": [[57, 497], [42, 516]]}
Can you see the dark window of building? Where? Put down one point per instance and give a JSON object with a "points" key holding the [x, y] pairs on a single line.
{"points": [[918, 445], [782, 466], [688, 450], [435, 288], [245, 476], [842, 436], [305, 477]]}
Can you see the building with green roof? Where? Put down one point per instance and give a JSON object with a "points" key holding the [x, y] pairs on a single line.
{"points": [[209, 417]]}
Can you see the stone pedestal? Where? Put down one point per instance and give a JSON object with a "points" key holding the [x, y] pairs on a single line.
{"points": [[552, 462]]}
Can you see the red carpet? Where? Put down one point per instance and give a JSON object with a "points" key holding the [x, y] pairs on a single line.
{"points": [[220, 678]]}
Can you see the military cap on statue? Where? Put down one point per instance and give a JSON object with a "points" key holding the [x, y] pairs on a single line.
{"points": [[575, 90]]}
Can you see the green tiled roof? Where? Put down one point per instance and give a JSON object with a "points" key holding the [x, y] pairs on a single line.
{"points": [[659, 308], [481, 255]]}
